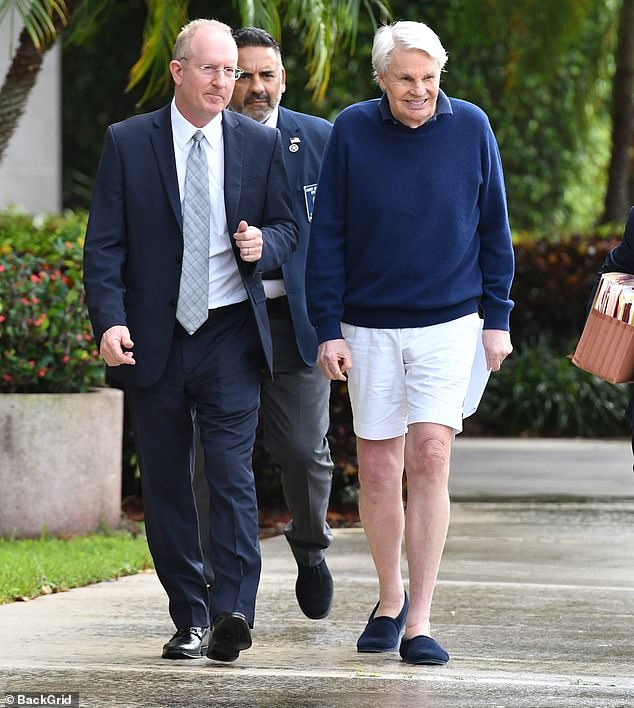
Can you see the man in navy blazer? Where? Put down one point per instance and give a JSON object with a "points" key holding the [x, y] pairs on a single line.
{"points": [[294, 408], [173, 373]]}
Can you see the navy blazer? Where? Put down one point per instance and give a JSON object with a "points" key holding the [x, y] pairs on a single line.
{"points": [[309, 135], [134, 240], [621, 260]]}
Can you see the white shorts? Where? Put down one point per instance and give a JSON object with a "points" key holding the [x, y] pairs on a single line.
{"points": [[413, 375]]}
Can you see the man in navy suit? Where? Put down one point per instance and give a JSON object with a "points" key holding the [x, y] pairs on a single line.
{"points": [[171, 372], [294, 409]]}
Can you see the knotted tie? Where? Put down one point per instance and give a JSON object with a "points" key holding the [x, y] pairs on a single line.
{"points": [[193, 297]]}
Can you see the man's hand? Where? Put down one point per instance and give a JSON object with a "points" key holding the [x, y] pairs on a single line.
{"points": [[249, 240], [497, 346], [116, 345], [334, 359]]}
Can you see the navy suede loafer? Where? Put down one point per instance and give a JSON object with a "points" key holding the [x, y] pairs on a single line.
{"points": [[423, 650], [383, 633], [187, 643]]}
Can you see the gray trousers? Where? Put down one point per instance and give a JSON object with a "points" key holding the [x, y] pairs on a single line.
{"points": [[294, 415]]}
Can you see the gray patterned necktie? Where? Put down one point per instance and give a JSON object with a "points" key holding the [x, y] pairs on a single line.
{"points": [[193, 297]]}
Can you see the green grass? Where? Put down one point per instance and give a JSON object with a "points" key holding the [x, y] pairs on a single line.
{"points": [[32, 567]]}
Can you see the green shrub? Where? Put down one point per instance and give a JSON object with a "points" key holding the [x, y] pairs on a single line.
{"points": [[46, 343], [538, 391], [553, 281]]}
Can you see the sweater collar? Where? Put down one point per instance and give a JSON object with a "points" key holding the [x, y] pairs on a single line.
{"points": [[443, 106]]}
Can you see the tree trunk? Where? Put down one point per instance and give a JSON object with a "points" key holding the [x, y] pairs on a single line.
{"points": [[618, 197], [21, 78], [18, 83]]}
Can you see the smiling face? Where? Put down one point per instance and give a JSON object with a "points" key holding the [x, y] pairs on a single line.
{"points": [[199, 98], [259, 90], [411, 84]]}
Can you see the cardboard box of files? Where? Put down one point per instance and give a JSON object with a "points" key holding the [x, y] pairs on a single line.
{"points": [[606, 346]]}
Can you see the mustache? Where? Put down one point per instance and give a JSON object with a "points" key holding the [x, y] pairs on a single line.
{"points": [[258, 97]]}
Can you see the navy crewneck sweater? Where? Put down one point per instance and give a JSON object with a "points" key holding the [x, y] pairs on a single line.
{"points": [[410, 226]]}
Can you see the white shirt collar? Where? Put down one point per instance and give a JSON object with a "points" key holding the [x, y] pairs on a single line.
{"points": [[271, 121], [183, 130]]}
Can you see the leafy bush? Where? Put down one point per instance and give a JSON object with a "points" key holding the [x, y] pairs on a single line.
{"points": [[46, 344], [538, 391], [553, 281]]}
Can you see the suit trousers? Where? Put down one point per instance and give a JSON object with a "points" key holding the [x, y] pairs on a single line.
{"points": [[214, 376], [294, 414]]}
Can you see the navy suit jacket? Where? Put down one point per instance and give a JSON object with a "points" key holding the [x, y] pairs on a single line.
{"points": [[621, 260], [310, 135], [134, 240]]}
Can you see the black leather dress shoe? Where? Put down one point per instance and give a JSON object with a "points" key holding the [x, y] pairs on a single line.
{"points": [[314, 590], [230, 635], [187, 643]]}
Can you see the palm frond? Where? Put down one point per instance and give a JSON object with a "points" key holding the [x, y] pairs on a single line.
{"points": [[37, 18], [87, 20], [324, 25], [164, 21], [264, 14], [327, 26]]}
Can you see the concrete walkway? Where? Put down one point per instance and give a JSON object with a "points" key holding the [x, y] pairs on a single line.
{"points": [[535, 604]]}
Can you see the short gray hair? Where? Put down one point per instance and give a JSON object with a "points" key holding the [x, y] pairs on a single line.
{"points": [[181, 45], [408, 35]]}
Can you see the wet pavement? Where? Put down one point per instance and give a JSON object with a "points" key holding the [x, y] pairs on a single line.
{"points": [[535, 604]]}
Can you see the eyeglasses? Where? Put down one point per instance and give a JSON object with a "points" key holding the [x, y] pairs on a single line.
{"points": [[230, 72]]}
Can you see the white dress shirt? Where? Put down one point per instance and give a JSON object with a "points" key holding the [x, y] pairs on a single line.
{"points": [[225, 284], [273, 287]]}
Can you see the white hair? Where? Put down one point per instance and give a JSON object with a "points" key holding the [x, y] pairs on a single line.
{"points": [[409, 35]]}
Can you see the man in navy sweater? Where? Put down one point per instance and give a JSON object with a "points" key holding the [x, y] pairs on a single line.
{"points": [[410, 240]]}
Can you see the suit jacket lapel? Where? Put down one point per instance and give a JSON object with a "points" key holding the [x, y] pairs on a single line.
{"points": [[233, 139], [163, 145], [289, 129]]}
